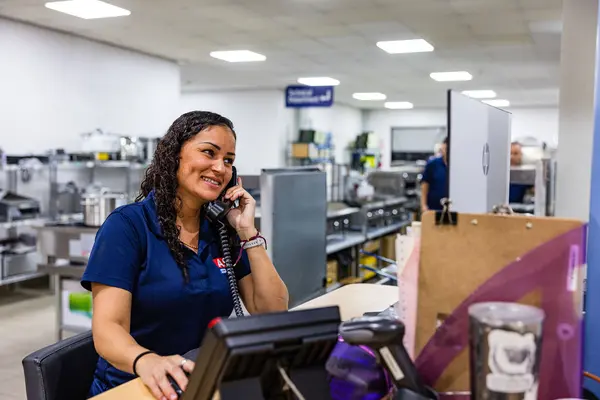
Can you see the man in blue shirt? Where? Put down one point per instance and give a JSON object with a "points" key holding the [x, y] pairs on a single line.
{"points": [[517, 191], [434, 185]]}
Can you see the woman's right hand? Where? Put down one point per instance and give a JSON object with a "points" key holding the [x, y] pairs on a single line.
{"points": [[153, 370]]}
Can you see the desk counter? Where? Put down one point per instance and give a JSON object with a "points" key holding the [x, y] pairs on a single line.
{"points": [[353, 300]]}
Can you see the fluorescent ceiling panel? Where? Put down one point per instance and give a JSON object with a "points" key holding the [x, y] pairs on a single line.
{"points": [[369, 96], [451, 76], [238, 56], [319, 81], [405, 46], [497, 102], [398, 105], [480, 94], [88, 9]]}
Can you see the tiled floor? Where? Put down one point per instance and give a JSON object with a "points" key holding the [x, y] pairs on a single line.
{"points": [[26, 324]]}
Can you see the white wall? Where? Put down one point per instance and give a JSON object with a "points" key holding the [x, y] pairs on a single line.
{"points": [[55, 86], [344, 123], [382, 121], [577, 90], [539, 123], [263, 124]]}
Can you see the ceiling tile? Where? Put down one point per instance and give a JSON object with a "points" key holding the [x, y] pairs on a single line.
{"points": [[483, 6], [504, 43], [344, 43], [536, 4], [319, 30]]}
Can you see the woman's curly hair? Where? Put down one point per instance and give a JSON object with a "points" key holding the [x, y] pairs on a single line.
{"points": [[161, 175]]}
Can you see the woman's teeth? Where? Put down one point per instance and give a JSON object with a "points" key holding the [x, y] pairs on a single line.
{"points": [[211, 181]]}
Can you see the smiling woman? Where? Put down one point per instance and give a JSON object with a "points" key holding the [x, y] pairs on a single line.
{"points": [[155, 271]]}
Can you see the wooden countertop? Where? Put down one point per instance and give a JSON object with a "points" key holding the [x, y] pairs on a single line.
{"points": [[354, 300]]}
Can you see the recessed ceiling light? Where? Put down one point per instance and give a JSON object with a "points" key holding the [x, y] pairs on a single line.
{"points": [[238, 56], [497, 102], [319, 81], [405, 46], [369, 96], [480, 94], [88, 9], [451, 76], [398, 105]]}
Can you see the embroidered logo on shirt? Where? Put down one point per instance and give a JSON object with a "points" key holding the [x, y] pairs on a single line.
{"points": [[219, 262]]}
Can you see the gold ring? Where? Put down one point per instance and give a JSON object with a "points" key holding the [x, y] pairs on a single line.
{"points": [[183, 362]]}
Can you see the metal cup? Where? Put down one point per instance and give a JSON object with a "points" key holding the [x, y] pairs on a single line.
{"points": [[505, 346]]}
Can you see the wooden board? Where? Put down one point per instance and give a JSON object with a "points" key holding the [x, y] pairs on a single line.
{"points": [[456, 260]]}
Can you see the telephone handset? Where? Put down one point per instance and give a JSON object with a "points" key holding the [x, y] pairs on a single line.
{"points": [[216, 212]]}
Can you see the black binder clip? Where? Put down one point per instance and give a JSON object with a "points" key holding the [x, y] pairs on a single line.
{"points": [[446, 217]]}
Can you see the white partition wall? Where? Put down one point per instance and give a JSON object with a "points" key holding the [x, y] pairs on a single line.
{"points": [[478, 154]]}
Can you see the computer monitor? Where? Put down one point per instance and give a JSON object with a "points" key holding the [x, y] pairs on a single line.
{"points": [[478, 154], [241, 357]]}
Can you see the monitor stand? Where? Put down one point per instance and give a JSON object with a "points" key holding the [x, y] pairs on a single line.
{"points": [[312, 383]]}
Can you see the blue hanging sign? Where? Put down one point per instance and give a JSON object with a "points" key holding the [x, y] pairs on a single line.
{"points": [[309, 96]]}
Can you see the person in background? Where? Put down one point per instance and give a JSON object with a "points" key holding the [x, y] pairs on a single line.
{"points": [[156, 271], [434, 185], [517, 191]]}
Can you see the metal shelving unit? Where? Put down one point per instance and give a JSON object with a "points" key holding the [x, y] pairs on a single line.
{"points": [[92, 166]]}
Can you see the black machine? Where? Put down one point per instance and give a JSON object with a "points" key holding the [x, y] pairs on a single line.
{"points": [[283, 356], [216, 212], [269, 356], [384, 335]]}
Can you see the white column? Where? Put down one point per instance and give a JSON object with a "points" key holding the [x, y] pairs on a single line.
{"points": [[576, 115]]}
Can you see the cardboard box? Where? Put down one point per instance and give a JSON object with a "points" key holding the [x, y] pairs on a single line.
{"points": [[388, 246], [332, 272], [304, 150], [371, 246]]}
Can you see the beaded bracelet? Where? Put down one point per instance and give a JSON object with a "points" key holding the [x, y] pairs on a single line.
{"points": [[260, 240]]}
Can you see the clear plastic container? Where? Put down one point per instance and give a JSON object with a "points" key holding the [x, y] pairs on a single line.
{"points": [[505, 346]]}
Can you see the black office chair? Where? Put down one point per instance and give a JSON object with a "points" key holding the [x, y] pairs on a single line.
{"points": [[63, 370]]}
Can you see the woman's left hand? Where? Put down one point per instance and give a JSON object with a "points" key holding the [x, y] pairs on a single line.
{"points": [[242, 217]]}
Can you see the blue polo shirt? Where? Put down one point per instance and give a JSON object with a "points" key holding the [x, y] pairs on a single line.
{"points": [[517, 192], [436, 175], [168, 316]]}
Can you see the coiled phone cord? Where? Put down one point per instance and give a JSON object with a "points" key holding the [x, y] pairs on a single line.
{"points": [[233, 287]]}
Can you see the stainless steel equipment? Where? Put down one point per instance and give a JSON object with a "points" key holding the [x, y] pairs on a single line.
{"points": [[293, 219], [390, 183], [71, 241], [149, 147], [411, 173], [14, 207], [69, 199], [132, 149], [337, 175], [541, 176], [383, 217], [523, 175], [99, 141], [339, 219], [18, 259], [98, 205]]}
